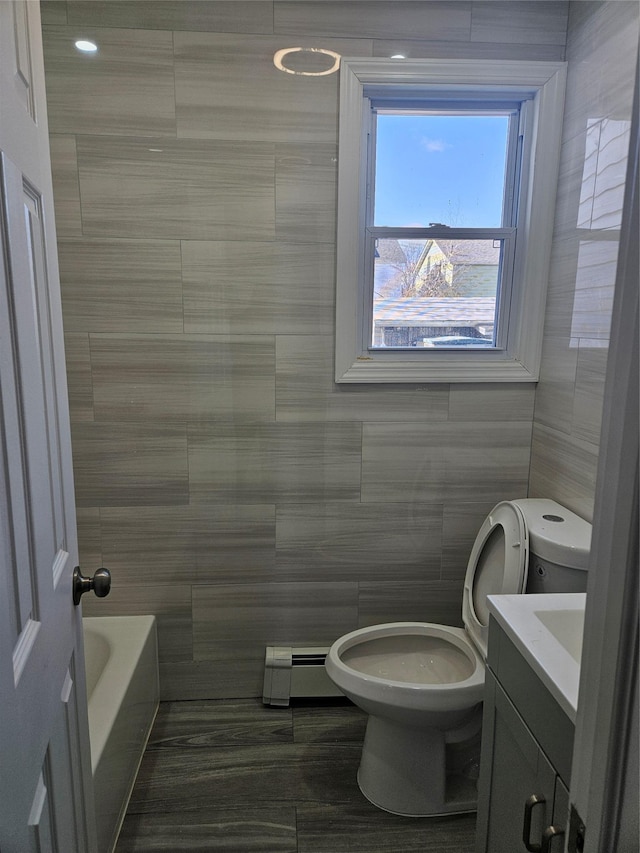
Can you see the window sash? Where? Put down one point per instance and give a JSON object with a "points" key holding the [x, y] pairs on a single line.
{"points": [[516, 110], [507, 236], [447, 104]]}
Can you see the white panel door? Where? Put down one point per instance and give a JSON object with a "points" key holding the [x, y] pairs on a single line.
{"points": [[45, 777]]}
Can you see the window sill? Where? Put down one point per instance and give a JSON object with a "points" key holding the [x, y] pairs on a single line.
{"points": [[442, 367]]}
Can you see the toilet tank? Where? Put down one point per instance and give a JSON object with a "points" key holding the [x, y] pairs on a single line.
{"points": [[559, 545]]}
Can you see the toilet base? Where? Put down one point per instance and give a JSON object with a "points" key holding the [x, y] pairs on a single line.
{"points": [[403, 770]]}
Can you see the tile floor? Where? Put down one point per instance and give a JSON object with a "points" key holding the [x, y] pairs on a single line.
{"points": [[235, 776]]}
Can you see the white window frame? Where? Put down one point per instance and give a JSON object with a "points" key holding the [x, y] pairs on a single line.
{"points": [[542, 86]]}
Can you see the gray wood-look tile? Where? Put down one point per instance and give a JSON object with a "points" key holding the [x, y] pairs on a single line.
{"points": [[131, 596], [601, 87], [592, 26], [603, 174], [461, 522], [254, 16], [361, 828], [269, 463], [560, 296], [523, 21], [205, 679], [334, 723], [53, 12], [589, 390], [569, 396], [595, 283], [176, 189], [434, 20], [190, 780], [306, 193], [183, 377], [433, 462], [438, 601], [125, 88], [191, 544], [201, 724], [252, 288], [555, 391], [478, 402], [415, 49], [573, 198], [240, 620], [305, 390], [89, 541], [226, 776], [227, 87], [245, 829], [66, 186], [563, 467], [121, 285], [130, 464], [354, 541], [79, 385]]}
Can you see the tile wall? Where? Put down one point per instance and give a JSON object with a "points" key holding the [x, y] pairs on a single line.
{"points": [[230, 486], [602, 51]]}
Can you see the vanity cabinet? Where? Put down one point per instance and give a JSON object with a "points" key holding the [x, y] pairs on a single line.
{"points": [[527, 744]]}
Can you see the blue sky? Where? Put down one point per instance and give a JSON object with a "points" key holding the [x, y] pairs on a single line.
{"points": [[447, 169]]}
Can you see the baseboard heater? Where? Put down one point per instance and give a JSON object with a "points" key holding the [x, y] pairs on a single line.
{"points": [[291, 673]]}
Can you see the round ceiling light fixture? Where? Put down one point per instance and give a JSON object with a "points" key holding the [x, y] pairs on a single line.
{"points": [[280, 55], [85, 46]]}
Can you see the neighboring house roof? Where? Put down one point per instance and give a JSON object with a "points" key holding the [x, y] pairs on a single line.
{"points": [[473, 262], [428, 311], [389, 251], [466, 251]]}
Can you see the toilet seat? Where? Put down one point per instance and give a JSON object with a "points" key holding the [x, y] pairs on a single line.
{"points": [[424, 658], [498, 564], [450, 693]]}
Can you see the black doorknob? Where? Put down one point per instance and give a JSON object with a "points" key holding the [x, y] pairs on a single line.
{"points": [[100, 583]]}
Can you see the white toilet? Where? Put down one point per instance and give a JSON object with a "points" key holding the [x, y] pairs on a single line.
{"points": [[422, 683]]}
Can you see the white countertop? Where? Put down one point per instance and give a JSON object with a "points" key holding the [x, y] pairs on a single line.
{"points": [[547, 630]]}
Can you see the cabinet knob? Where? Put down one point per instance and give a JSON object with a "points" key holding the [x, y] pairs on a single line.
{"points": [[533, 801]]}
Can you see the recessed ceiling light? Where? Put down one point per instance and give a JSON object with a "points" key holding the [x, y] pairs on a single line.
{"points": [[398, 56], [86, 46]]}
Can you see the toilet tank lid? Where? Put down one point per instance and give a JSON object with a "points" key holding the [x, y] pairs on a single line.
{"points": [[555, 533]]}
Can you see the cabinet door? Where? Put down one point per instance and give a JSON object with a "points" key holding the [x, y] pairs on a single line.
{"points": [[555, 835], [514, 769]]}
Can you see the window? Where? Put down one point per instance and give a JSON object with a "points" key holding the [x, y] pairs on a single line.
{"points": [[439, 222], [446, 191]]}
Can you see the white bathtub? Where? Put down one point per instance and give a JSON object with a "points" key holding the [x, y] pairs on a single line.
{"points": [[121, 656]]}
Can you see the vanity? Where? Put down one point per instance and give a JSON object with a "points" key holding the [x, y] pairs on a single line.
{"points": [[530, 701]]}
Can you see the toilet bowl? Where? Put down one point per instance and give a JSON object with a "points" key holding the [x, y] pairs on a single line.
{"points": [[398, 659], [422, 683]]}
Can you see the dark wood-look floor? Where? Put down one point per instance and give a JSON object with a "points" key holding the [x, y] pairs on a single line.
{"points": [[235, 776]]}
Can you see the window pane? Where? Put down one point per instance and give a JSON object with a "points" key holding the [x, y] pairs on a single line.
{"points": [[435, 293], [440, 168]]}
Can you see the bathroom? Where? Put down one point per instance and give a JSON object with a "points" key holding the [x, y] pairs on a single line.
{"points": [[230, 486]]}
